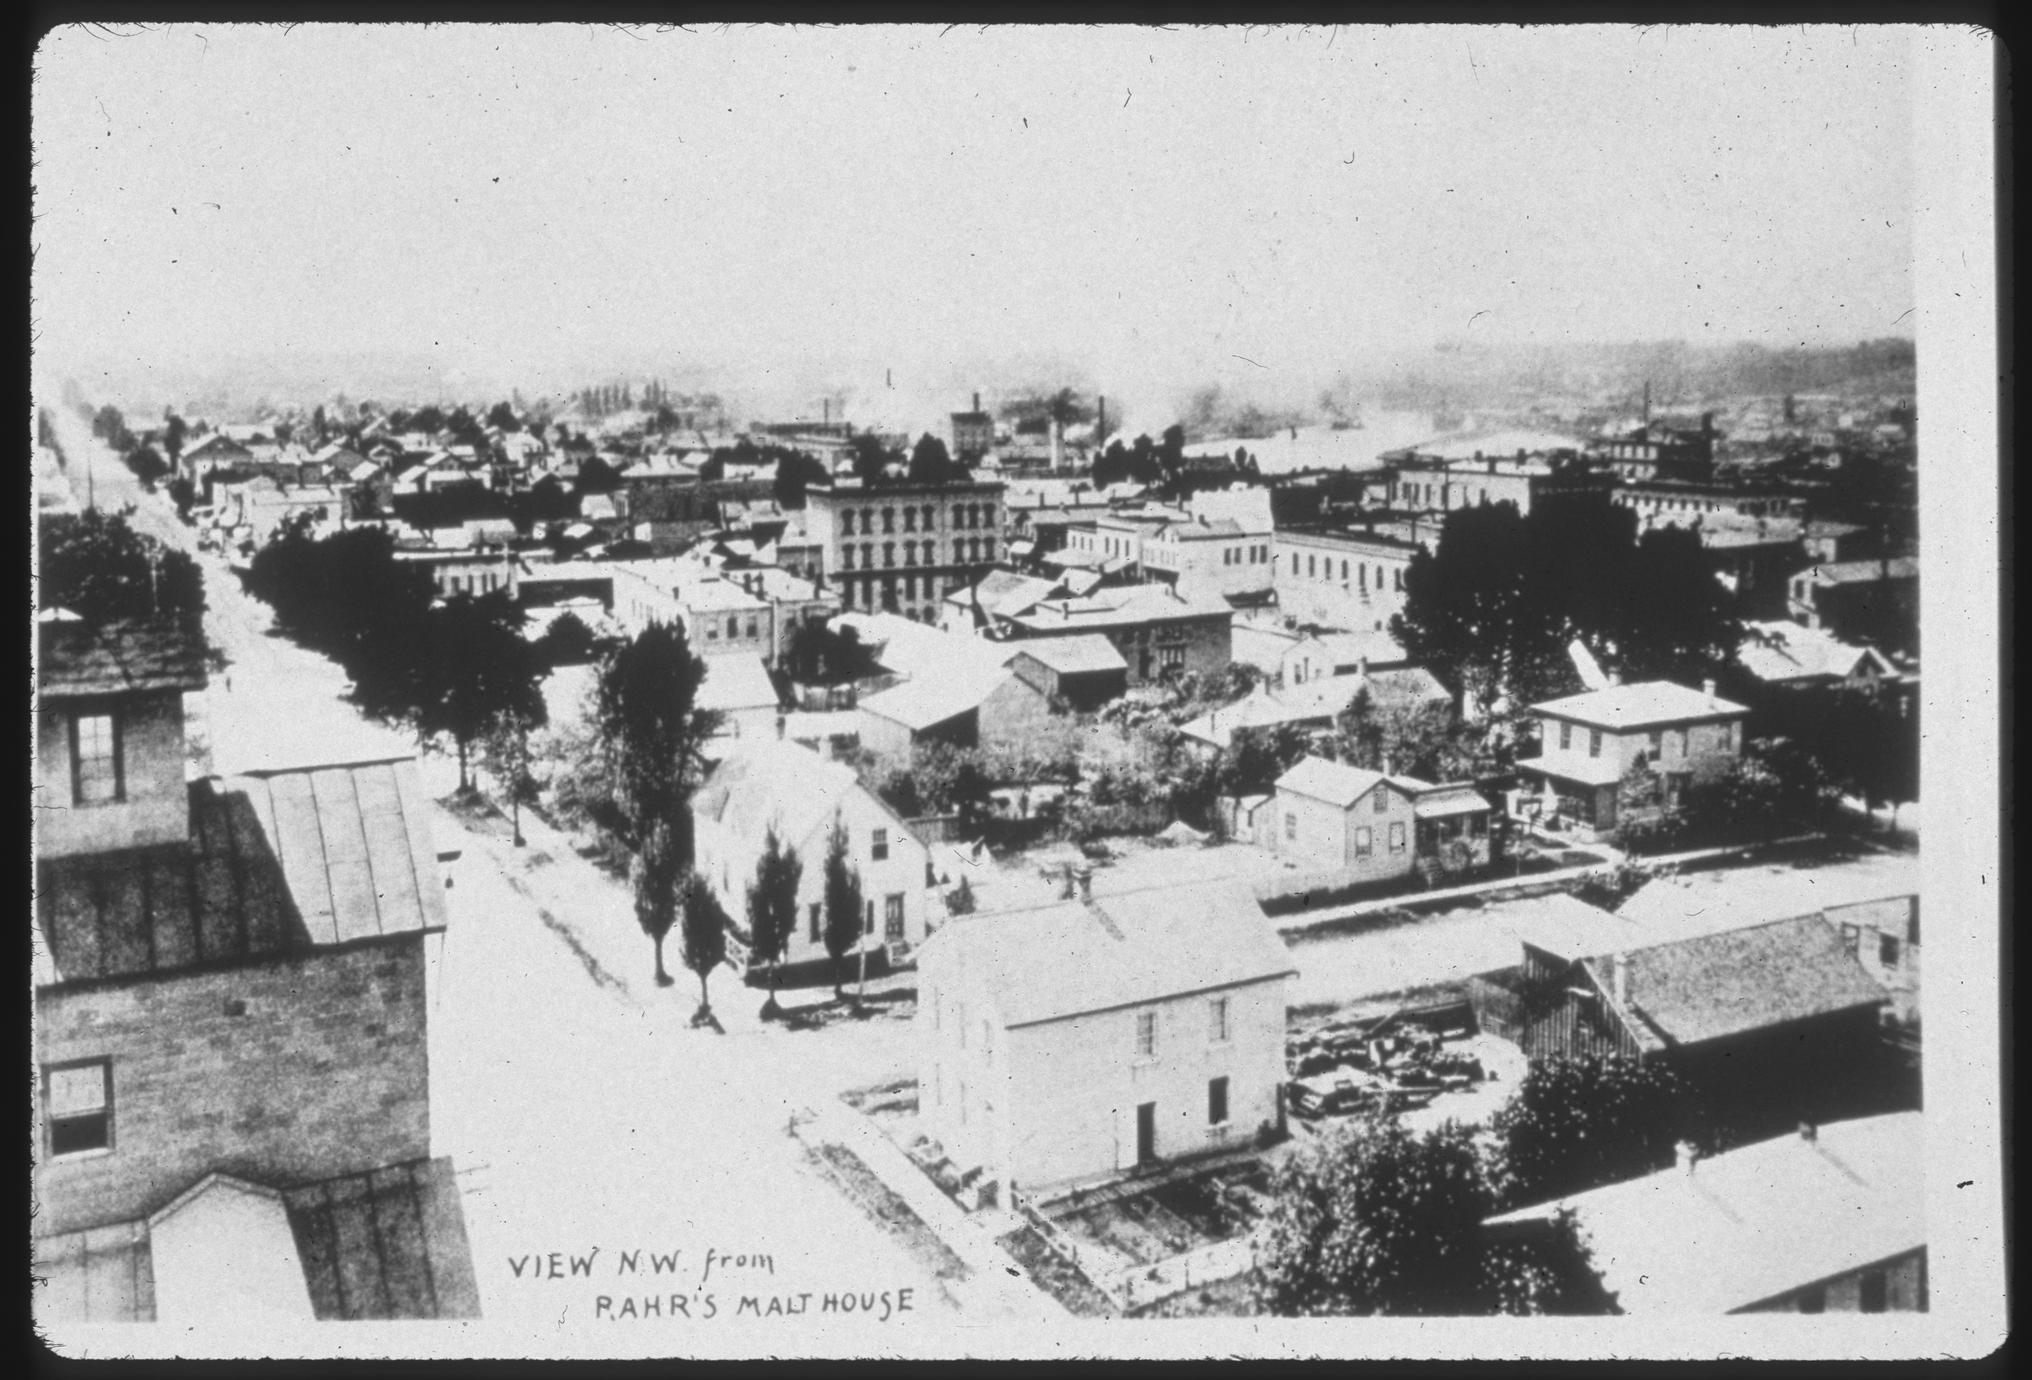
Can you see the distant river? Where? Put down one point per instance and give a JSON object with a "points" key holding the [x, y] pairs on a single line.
{"points": [[1323, 448]]}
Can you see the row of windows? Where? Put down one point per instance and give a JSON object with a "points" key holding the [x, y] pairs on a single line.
{"points": [[967, 550], [892, 917], [1364, 837], [964, 516], [1317, 568], [482, 582], [1662, 744], [733, 627], [1250, 555]]}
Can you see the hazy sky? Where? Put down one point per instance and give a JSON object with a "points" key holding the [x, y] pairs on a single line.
{"points": [[1158, 207]]}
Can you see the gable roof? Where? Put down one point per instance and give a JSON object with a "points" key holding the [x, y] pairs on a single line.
{"points": [[80, 658], [385, 1243], [1639, 705], [1781, 652], [926, 701], [762, 783], [1346, 651], [1336, 783], [1078, 957], [736, 680], [1071, 656], [1751, 1224], [1712, 986], [277, 863]]}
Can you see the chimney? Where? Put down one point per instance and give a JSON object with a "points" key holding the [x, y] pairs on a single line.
{"points": [[977, 402], [1619, 979], [1707, 688], [781, 721], [1808, 1131], [1364, 665], [1100, 420], [1686, 1156], [1085, 878], [1615, 678]]}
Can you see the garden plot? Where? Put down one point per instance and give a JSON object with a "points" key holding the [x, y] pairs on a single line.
{"points": [[1172, 1218]]}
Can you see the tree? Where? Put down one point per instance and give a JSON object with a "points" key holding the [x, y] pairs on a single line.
{"points": [[97, 566], [960, 900], [502, 418], [1578, 1123], [651, 728], [797, 472], [704, 938], [457, 670], [174, 430], [843, 902], [1428, 741], [657, 870], [147, 465], [931, 462], [568, 641], [506, 746], [871, 458], [1371, 1219], [772, 906]]}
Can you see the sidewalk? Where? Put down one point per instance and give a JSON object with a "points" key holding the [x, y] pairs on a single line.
{"points": [[994, 1282]]}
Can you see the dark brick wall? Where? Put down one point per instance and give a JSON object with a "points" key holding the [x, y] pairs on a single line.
{"points": [[325, 1073]]}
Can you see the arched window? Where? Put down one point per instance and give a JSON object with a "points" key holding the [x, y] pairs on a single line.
{"points": [[930, 517], [888, 520], [847, 522], [888, 553]]}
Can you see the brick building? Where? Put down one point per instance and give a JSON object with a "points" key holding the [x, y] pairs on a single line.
{"points": [[903, 547], [231, 988]]}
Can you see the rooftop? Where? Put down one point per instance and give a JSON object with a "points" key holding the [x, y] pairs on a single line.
{"points": [[384, 1244], [1336, 783], [79, 658], [1073, 655], [1864, 572], [1711, 986], [1730, 898], [1640, 705], [1119, 950], [277, 863], [1786, 651], [769, 782], [1754, 1223]]}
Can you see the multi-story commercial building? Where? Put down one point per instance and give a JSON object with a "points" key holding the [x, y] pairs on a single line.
{"points": [[902, 548]]}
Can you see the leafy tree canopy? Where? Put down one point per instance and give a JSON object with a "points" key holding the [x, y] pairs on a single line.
{"points": [[97, 566]]}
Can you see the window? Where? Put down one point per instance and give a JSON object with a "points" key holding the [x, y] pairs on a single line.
{"points": [[1874, 1293], [1594, 742], [1217, 1102], [1291, 826], [888, 553], [847, 523], [818, 933], [888, 520], [878, 847], [1382, 801], [754, 628], [910, 519], [846, 558], [712, 630], [1217, 1020], [1146, 1034], [1363, 841], [868, 918], [1887, 950], [733, 626], [1397, 837], [80, 1107], [95, 759], [892, 916], [1565, 736], [1657, 742], [1171, 658], [988, 549], [1675, 743], [1311, 566]]}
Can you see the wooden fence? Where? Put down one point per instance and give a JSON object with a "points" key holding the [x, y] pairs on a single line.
{"points": [[1131, 1286]]}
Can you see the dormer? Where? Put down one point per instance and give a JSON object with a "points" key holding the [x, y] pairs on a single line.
{"points": [[110, 735]]}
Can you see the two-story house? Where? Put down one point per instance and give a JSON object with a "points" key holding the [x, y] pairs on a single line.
{"points": [[1590, 742], [1089, 1038], [232, 981], [764, 784], [1159, 632]]}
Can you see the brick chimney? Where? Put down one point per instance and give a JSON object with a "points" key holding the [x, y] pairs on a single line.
{"points": [[1808, 1131], [1707, 688], [1686, 1156]]}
